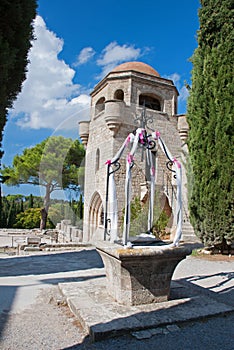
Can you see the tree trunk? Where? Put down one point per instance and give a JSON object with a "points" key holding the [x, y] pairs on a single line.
{"points": [[44, 211]]}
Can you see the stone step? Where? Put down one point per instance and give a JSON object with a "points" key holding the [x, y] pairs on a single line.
{"points": [[187, 237], [103, 317], [188, 232]]}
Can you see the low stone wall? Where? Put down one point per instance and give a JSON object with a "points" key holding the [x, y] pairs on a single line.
{"points": [[68, 233], [12, 238]]}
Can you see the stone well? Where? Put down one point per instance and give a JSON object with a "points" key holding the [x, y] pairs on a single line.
{"points": [[140, 275]]}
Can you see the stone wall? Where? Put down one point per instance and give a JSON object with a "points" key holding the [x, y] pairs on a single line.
{"points": [[108, 129], [68, 233]]}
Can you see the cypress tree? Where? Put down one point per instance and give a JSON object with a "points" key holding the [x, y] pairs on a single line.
{"points": [[21, 205], [16, 33], [210, 117], [11, 214], [80, 207], [4, 212], [30, 201]]}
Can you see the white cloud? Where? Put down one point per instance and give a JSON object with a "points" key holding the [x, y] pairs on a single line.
{"points": [[82, 100], [114, 54], [184, 94], [175, 77], [183, 91], [85, 55], [49, 96]]}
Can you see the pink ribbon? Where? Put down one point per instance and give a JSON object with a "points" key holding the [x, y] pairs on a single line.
{"points": [[108, 162], [130, 158], [156, 135], [141, 138], [127, 140], [175, 161]]}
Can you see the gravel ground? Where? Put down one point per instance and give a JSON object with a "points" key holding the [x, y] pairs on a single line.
{"points": [[53, 327], [49, 324]]}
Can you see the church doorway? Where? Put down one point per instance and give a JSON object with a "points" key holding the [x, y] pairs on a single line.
{"points": [[96, 217]]}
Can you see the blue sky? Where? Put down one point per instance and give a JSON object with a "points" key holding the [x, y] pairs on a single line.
{"points": [[77, 44]]}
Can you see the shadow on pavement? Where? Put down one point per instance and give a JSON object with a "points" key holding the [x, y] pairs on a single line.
{"points": [[50, 263], [88, 259], [185, 289], [222, 281], [7, 295], [39, 265]]}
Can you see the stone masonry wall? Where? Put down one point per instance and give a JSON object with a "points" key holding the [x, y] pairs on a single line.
{"points": [[108, 139]]}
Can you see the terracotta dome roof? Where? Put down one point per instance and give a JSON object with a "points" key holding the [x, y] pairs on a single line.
{"points": [[138, 67]]}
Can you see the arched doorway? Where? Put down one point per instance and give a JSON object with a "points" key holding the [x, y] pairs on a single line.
{"points": [[96, 217]]}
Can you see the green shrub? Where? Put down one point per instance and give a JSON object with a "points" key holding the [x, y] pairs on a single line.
{"points": [[30, 219], [139, 218]]}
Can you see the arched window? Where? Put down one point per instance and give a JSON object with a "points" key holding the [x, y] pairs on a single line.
{"points": [[119, 95], [100, 105], [175, 107], [150, 102], [97, 160]]}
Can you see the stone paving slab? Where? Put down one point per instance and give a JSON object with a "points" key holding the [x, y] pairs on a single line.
{"points": [[103, 317]]}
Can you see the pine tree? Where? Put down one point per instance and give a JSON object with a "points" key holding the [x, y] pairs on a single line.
{"points": [[210, 117], [48, 164]]}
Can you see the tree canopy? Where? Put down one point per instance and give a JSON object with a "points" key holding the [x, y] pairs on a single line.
{"points": [[20, 211], [210, 117], [16, 33], [53, 164]]}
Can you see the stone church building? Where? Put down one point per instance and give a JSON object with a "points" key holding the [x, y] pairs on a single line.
{"points": [[119, 102]]}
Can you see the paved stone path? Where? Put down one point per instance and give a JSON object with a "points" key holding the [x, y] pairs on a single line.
{"points": [[197, 292], [198, 284]]}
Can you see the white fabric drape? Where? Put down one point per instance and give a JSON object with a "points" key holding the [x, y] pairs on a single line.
{"points": [[128, 185], [112, 200], [178, 171], [135, 140], [150, 165]]}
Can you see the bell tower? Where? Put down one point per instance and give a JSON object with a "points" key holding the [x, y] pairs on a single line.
{"points": [[116, 103]]}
